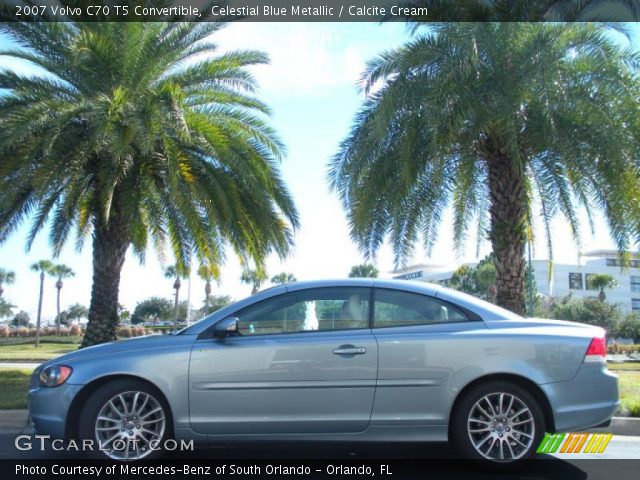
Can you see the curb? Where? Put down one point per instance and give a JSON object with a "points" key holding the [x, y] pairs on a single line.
{"points": [[621, 426], [13, 421]]}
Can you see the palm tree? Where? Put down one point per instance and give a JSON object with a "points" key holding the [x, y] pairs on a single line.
{"points": [[365, 270], [6, 309], [60, 271], [44, 268], [76, 312], [7, 277], [523, 11], [137, 134], [600, 281], [493, 119], [255, 278], [177, 273], [208, 272], [283, 277]]}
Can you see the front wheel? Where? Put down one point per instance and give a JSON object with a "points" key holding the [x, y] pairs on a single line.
{"points": [[126, 419], [498, 421]]}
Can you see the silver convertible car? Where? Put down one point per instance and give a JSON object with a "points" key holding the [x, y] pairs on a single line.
{"points": [[347, 360]]}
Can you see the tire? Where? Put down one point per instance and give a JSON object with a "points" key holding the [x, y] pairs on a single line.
{"points": [[479, 432], [118, 433]]}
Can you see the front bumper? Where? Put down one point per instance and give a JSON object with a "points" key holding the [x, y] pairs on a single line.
{"points": [[49, 407], [587, 400]]}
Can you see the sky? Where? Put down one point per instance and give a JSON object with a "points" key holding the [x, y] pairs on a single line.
{"points": [[311, 86]]}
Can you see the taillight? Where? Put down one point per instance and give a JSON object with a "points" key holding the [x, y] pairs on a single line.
{"points": [[597, 351]]}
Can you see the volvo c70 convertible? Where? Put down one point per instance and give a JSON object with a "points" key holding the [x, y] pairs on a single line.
{"points": [[349, 360]]}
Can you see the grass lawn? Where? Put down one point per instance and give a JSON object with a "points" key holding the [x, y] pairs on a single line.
{"points": [[14, 384], [616, 367], [28, 352], [629, 384]]}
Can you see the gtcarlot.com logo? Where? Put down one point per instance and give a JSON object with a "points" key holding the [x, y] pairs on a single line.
{"points": [[574, 442]]}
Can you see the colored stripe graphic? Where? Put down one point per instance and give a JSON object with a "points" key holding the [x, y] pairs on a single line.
{"points": [[582, 441], [543, 444], [574, 442], [556, 442], [569, 443], [605, 442]]}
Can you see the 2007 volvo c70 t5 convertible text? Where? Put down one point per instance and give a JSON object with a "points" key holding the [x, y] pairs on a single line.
{"points": [[358, 360]]}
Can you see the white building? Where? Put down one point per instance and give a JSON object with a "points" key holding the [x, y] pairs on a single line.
{"points": [[565, 278]]}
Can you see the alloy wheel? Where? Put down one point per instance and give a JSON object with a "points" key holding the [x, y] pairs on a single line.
{"points": [[501, 427], [130, 425]]}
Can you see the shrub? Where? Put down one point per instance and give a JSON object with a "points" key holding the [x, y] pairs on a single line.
{"points": [[64, 331], [124, 332], [75, 330], [633, 407], [140, 331], [4, 331], [21, 332], [618, 348]]}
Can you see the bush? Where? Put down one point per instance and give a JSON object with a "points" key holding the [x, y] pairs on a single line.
{"points": [[4, 331], [22, 332], [633, 407], [124, 332], [617, 348], [75, 330]]}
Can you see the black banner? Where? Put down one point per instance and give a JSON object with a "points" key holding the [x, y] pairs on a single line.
{"points": [[314, 469], [320, 10]]}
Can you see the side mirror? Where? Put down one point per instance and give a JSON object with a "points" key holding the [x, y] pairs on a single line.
{"points": [[228, 326]]}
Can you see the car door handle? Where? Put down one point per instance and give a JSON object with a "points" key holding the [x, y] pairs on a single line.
{"points": [[349, 350]]}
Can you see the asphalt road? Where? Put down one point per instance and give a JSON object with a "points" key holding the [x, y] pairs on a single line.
{"points": [[620, 461]]}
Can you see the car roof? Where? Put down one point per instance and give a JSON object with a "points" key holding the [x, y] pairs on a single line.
{"points": [[483, 309]]}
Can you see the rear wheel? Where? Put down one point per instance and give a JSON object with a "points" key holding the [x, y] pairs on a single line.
{"points": [[126, 419], [498, 421]]}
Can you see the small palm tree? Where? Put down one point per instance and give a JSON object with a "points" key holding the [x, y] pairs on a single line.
{"points": [[493, 119], [177, 273], [601, 281], [44, 268], [60, 271], [365, 270], [208, 272], [283, 277], [7, 277], [255, 278]]}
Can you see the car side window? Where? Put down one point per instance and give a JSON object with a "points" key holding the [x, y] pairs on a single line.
{"points": [[393, 308], [307, 310]]}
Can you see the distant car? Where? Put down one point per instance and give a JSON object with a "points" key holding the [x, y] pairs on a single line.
{"points": [[353, 360]]}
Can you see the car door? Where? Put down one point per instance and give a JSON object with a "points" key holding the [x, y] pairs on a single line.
{"points": [[423, 343], [303, 362]]}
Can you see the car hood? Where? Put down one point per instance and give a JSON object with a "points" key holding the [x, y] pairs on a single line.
{"points": [[122, 346]]}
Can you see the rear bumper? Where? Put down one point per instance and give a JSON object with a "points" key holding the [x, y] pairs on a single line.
{"points": [[588, 400]]}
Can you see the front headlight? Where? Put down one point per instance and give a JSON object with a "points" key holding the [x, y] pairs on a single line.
{"points": [[54, 375]]}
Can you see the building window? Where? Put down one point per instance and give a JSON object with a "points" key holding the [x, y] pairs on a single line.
{"points": [[575, 281], [616, 262], [588, 281], [635, 283], [635, 304]]}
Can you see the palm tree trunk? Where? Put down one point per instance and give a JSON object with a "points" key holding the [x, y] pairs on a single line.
{"points": [[38, 321], [58, 308], [177, 306], [508, 229], [110, 243]]}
